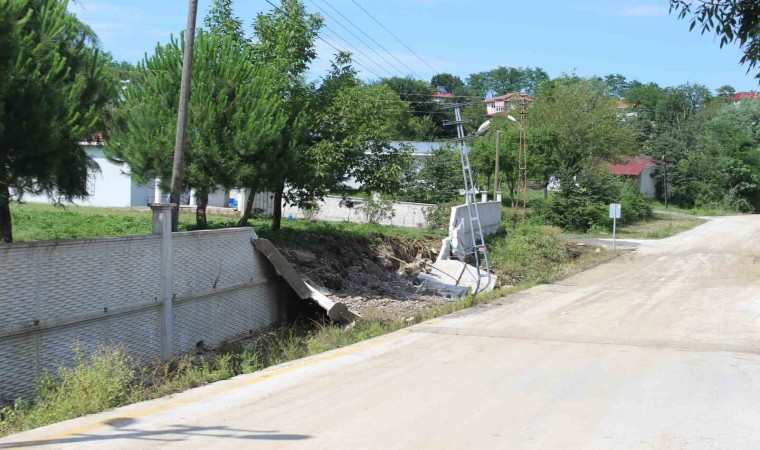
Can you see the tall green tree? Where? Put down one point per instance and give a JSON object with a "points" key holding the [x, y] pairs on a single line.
{"points": [[235, 114], [221, 21], [502, 80], [53, 87], [584, 123], [451, 82], [285, 41]]}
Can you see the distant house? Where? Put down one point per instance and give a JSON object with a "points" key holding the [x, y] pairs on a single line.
{"points": [[625, 110], [739, 96], [111, 186], [501, 105], [641, 169], [442, 95]]}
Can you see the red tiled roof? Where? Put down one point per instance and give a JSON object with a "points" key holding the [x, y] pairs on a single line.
{"points": [[633, 166], [622, 105], [443, 95], [743, 96]]}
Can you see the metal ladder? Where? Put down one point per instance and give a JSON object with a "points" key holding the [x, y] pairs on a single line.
{"points": [[477, 241]]}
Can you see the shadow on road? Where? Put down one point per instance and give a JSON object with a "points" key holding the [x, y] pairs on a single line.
{"points": [[120, 428]]}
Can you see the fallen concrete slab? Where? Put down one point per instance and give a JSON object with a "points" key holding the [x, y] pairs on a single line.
{"points": [[336, 311], [453, 278]]}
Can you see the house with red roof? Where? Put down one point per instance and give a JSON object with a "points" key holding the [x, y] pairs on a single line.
{"points": [[442, 95], [739, 96], [501, 105], [639, 168]]}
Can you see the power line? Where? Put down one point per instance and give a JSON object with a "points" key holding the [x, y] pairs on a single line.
{"points": [[357, 37], [394, 36], [372, 39], [336, 48], [359, 51]]}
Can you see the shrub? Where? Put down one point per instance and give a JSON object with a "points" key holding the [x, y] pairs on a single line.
{"points": [[583, 202], [634, 206], [532, 253], [437, 217], [376, 209], [310, 212]]}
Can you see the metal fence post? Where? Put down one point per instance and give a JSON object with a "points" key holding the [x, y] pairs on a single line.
{"points": [[162, 225]]}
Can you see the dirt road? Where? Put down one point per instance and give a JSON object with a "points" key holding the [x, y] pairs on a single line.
{"points": [[657, 349]]}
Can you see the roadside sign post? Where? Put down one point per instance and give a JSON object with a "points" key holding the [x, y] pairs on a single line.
{"points": [[614, 215]]}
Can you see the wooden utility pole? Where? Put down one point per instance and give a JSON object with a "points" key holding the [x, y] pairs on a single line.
{"points": [[496, 187], [178, 166]]}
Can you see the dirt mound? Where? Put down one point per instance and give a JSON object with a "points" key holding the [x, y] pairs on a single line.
{"points": [[374, 276]]}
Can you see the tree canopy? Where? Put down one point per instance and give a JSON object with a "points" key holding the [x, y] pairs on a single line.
{"points": [[732, 20], [54, 87], [235, 111]]}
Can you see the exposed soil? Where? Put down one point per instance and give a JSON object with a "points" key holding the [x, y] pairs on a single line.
{"points": [[375, 276]]}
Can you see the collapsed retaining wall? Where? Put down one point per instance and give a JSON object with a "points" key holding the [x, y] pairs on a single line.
{"points": [[107, 291]]}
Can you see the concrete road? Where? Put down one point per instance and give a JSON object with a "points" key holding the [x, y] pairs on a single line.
{"points": [[657, 349]]}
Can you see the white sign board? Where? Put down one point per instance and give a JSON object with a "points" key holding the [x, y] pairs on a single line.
{"points": [[614, 210]]}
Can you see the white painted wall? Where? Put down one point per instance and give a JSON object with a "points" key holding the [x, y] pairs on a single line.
{"points": [[459, 228], [647, 182], [110, 187]]}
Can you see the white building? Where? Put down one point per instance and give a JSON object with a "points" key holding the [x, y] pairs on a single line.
{"points": [[110, 187]]}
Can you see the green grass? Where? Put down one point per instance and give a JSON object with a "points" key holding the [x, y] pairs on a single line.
{"points": [[659, 227], [716, 211], [33, 222]]}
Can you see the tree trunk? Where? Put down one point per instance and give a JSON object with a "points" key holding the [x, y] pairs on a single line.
{"points": [[248, 209], [277, 209], [546, 188], [200, 211], [6, 227]]}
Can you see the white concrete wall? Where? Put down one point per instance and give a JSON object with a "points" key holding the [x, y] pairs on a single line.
{"points": [[459, 228], [406, 214], [56, 293], [647, 182]]}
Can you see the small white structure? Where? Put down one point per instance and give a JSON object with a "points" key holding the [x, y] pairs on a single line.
{"points": [[112, 186], [640, 168]]}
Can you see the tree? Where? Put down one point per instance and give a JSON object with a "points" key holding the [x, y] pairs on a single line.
{"points": [[583, 122], [54, 86], [285, 42], [617, 84], [235, 112], [355, 141], [732, 20], [222, 22], [427, 116], [447, 80], [725, 91], [502, 80]]}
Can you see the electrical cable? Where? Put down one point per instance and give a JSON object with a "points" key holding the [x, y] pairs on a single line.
{"points": [[395, 37], [357, 37], [372, 39]]}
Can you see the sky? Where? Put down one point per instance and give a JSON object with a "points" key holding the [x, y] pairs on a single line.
{"points": [[636, 38]]}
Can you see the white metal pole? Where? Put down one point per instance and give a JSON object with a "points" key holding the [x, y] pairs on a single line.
{"points": [[614, 226]]}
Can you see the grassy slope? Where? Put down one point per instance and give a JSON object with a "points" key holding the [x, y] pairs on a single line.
{"points": [[44, 222]]}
